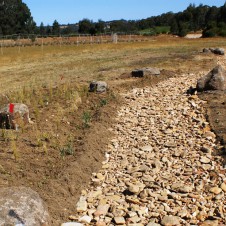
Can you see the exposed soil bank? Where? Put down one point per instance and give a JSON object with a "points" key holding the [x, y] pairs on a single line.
{"points": [[216, 114]]}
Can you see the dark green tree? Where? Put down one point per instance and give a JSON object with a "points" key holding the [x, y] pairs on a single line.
{"points": [[48, 30], [99, 26], [211, 29], [67, 30], [86, 26], [119, 26], [42, 30], [174, 28], [222, 14], [15, 17], [212, 14], [56, 28]]}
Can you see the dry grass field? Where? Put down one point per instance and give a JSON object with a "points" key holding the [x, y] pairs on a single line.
{"points": [[34, 66], [56, 155]]}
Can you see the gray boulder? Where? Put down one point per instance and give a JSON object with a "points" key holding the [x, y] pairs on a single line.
{"points": [[218, 51], [22, 206], [139, 73], [98, 86], [14, 115], [214, 80], [206, 50]]}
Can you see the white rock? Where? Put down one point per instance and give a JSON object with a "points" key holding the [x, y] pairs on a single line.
{"points": [[72, 224], [85, 219], [119, 220], [81, 205]]}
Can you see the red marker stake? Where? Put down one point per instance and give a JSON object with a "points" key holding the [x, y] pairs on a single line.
{"points": [[11, 108]]}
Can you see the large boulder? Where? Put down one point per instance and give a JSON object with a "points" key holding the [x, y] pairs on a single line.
{"points": [[22, 206], [139, 73], [14, 115], [214, 80], [98, 86], [218, 51]]}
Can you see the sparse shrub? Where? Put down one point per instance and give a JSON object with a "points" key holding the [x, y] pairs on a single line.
{"points": [[3, 134], [183, 32], [209, 33], [32, 38], [67, 150], [86, 117], [36, 112], [103, 102], [14, 149], [222, 32]]}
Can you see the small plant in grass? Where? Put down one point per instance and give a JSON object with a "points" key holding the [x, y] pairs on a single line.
{"points": [[86, 117], [103, 102], [39, 141], [67, 150], [50, 92], [36, 112], [12, 135], [45, 149], [40, 101], [4, 134], [112, 95], [45, 136], [84, 91], [14, 149]]}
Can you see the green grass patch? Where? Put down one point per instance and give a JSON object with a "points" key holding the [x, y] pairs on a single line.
{"points": [[156, 30]]}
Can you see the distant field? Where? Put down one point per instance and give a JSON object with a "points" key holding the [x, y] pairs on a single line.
{"points": [[37, 66]]}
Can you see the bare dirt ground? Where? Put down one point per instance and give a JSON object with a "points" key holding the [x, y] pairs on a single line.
{"points": [[57, 154], [216, 114]]}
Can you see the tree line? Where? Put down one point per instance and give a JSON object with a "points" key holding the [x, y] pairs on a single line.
{"points": [[16, 18]]}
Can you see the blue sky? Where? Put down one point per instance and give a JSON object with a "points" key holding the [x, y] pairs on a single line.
{"points": [[71, 11]]}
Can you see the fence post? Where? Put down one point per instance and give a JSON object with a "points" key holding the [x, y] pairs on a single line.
{"points": [[77, 41], [19, 44], [42, 44], [115, 38], [91, 39], [60, 41]]}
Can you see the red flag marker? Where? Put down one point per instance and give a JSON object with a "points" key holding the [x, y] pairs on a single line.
{"points": [[11, 108]]}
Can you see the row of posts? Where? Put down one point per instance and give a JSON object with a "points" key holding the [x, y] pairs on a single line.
{"points": [[99, 39]]}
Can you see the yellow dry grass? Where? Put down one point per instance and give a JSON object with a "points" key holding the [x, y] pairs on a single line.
{"points": [[37, 66]]}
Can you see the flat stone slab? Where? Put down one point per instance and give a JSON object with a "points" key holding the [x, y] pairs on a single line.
{"points": [[139, 73]]}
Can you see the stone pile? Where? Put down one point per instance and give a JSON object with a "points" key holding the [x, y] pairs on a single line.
{"points": [[159, 168]]}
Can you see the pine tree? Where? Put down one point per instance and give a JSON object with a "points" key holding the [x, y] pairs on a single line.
{"points": [[42, 29], [56, 28]]}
